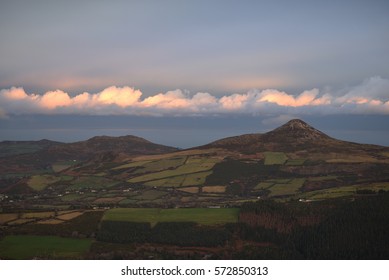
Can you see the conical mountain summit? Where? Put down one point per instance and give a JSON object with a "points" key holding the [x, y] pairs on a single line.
{"points": [[295, 130], [295, 135]]}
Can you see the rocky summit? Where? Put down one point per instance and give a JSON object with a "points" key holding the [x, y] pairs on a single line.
{"points": [[299, 130]]}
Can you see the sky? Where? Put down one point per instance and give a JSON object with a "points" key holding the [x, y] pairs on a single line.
{"points": [[184, 73]]}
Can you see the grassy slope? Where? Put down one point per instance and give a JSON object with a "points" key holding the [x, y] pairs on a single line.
{"points": [[190, 167], [275, 158], [29, 246], [40, 182]]}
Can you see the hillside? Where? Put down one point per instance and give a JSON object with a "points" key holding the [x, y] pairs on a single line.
{"points": [[21, 159], [13, 148], [128, 145], [294, 161], [295, 135]]}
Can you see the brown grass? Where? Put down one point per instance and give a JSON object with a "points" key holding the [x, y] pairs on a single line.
{"points": [[50, 222], [190, 189], [20, 222], [346, 158], [4, 218], [214, 189], [186, 199], [385, 154], [69, 216], [37, 215], [65, 212]]}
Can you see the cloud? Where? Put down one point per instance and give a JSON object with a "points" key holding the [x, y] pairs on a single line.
{"points": [[374, 87], [170, 100], [370, 97], [235, 102], [15, 94], [55, 99], [122, 97]]}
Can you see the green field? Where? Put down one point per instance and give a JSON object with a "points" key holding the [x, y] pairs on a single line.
{"points": [[204, 216], [175, 181], [131, 164], [91, 182], [286, 187], [263, 185], [280, 181], [23, 247], [153, 165], [128, 201], [163, 164], [322, 178], [40, 182], [272, 158], [192, 179], [62, 165], [195, 179], [150, 195], [343, 191], [193, 165]]}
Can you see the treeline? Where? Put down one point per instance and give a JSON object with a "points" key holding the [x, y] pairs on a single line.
{"points": [[173, 233], [356, 230], [336, 229], [281, 217]]}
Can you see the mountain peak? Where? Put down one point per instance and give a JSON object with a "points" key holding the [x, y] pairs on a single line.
{"points": [[297, 129], [297, 123]]}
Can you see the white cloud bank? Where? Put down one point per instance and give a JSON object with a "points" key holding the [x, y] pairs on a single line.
{"points": [[370, 97]]}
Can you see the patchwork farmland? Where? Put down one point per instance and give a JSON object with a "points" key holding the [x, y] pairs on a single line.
{"points": [[240, 197]]}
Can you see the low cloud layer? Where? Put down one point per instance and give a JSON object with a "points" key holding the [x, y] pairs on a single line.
{"points": [[370, 97]]}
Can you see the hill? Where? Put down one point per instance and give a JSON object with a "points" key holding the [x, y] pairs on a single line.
{"points": [[295, 135], [98, 145], [13, 148], [21, 159]]}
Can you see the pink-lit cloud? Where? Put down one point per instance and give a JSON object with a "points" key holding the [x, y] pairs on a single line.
{"points": [[170, 100], [122, 97], [306, 98], [372, 96], [15, 93], [235, 102], [54, 99]]}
